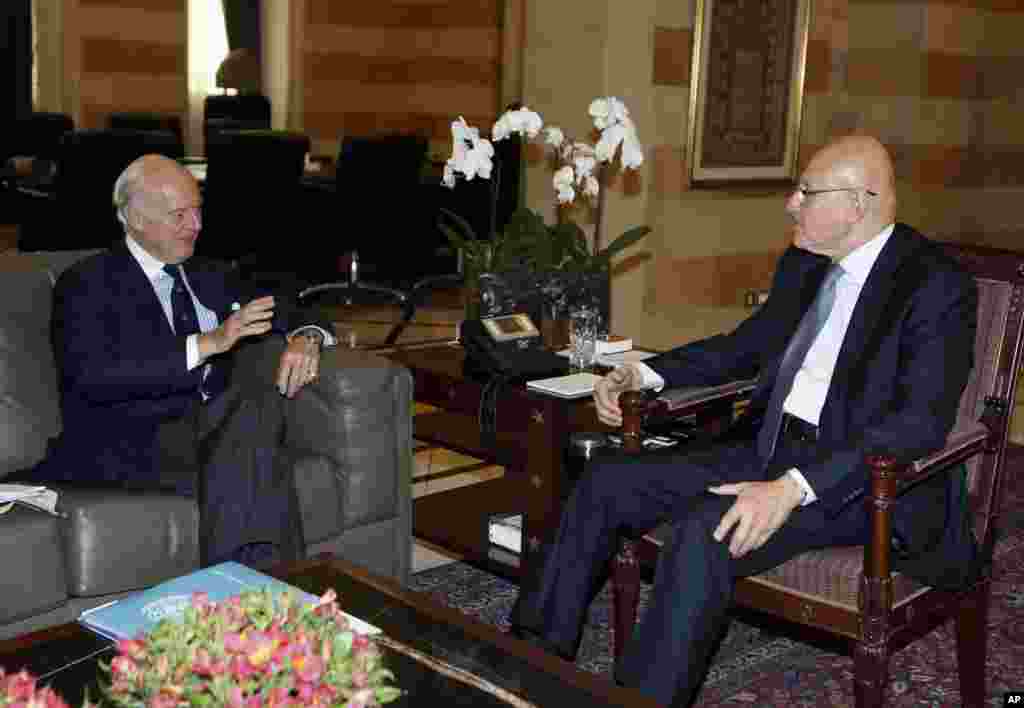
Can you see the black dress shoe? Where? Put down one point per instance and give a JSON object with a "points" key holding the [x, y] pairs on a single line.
{"points": [[548, 647]]}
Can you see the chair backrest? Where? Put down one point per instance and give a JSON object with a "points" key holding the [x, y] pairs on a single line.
{"points": [[378, 181], [146, 121], [87, 167], [251, 192], [37, 135], [997, 350], [245, 111]]}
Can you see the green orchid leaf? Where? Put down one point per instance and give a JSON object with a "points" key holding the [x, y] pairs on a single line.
{"points": [[623, 242], [460, 222]]}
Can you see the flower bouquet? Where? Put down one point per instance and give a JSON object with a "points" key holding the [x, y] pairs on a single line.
{"points": [[254, 649], [579, 168], [20, 690]]}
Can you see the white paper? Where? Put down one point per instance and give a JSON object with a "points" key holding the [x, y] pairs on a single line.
{"points": [[40, 497]]}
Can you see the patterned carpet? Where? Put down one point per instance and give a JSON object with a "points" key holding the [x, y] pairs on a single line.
{"points": [[755, 666]]}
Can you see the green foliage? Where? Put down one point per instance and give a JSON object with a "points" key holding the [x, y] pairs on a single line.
{"points": [[528, 240]]}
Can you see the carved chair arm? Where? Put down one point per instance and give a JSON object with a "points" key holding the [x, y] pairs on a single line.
{"points": [[638, 407]]}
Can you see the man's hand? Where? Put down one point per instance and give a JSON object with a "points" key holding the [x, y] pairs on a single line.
{"points": [[300, 365], [606, 392], [249, 321], [758, 512]]}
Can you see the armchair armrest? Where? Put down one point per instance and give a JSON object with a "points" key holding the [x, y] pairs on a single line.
{"points": [[638, 407]]}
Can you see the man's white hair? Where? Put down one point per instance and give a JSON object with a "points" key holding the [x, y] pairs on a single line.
{"points": [[127, 188]]}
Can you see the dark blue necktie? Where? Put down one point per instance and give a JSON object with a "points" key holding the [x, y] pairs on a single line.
{"points": [[793, 358], [183, 310]]}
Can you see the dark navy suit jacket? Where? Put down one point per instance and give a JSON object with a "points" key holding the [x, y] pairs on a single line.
{"points": [[123, 370], [903, 365]]}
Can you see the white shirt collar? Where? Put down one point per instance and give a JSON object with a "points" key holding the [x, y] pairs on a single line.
{"points": [[858, 263], [150, 265]]}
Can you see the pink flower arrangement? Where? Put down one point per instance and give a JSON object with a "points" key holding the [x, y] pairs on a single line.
{"points": [[20, 691], [254, 650]]}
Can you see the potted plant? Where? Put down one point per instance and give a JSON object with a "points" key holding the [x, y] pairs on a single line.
{"points": [[561, 255]]}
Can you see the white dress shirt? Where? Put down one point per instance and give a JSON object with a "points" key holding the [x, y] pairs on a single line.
{"points": [[810, 386], [163, 283]]}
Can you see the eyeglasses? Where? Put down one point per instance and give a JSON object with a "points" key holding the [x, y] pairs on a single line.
{"points": [[805, 192]]}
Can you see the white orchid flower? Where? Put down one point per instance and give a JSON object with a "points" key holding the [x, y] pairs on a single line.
{"points": [[606, 111], [501, 128], [591, 187], [471, 154], [479, 160], [583, 164], [609, 142], [632, 150], [554, 136], [563, 184], [522, 121]]}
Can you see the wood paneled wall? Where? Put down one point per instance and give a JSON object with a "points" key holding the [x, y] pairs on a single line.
{"points": [[400, 65], [125, 55]]}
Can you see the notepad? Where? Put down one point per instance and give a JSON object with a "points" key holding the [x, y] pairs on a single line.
{"points": [[570, 386]]}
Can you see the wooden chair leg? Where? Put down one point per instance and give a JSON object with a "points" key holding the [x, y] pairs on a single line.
{"points": [[870, 673], [972, 645], [626, 595]]}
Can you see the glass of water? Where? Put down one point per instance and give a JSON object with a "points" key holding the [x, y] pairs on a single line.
{"points": [[583, 323]]}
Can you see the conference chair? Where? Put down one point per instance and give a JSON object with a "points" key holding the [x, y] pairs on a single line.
{"points": [[79, 212], [140, 120], [243, 111], [852, 593], [36, 135], [253, 212]]}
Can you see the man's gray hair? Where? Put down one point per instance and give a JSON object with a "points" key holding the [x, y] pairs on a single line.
{"points": [[126, 188]]}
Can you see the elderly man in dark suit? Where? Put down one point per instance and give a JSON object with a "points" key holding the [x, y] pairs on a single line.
{"points": [[866, 342], [144, 336]]}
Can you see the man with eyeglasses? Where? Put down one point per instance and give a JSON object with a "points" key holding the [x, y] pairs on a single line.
{"points": [[866, 341], [144, 337]]}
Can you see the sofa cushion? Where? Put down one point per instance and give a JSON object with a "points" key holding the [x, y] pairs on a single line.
{"points": [[33, 578], [29, 406], [117, 539]]}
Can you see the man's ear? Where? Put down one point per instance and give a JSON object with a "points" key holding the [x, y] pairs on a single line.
{"points": [[133, 218]]}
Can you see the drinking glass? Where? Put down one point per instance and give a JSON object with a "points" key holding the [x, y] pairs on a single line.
{"points": [[583, 323]]}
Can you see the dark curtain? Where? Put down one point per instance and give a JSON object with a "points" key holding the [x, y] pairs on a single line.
{"points": [[242, 19], [15, 61]]}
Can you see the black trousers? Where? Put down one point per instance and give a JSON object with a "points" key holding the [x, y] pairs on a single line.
{"points": [[668, 654], [228, 453]]}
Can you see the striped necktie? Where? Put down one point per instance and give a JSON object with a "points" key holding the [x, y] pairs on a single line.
{"points": [[183, 310]]}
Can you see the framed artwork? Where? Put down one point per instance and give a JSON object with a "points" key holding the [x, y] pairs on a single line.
{"points": [[746, 90]]}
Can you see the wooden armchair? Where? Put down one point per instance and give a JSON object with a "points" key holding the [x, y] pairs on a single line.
{"points": [[852, 592]]}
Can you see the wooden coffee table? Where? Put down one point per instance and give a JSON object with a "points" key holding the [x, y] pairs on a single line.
{"points": [[439, 655]]}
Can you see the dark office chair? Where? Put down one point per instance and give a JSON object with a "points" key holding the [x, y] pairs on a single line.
{"points": [[37, 135], [128, 120], [253, 213], [851, 593], [244, 111], [79, 212]]}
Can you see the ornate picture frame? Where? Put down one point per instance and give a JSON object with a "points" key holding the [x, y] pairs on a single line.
{"points": [[746, 90]]}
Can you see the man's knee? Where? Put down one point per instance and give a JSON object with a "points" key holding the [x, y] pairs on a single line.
{"points": [[699, 518]]}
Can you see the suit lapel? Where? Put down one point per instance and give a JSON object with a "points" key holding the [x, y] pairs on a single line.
{"points": [[868, 315], [140, 287]]}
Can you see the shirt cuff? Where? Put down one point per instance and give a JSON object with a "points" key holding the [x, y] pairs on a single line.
{"points": [[192, 352], [809, 495], [649, 377], [329, 340]]}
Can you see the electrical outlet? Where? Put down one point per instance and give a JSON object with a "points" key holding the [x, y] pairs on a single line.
{"points": [[755, 298]]}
